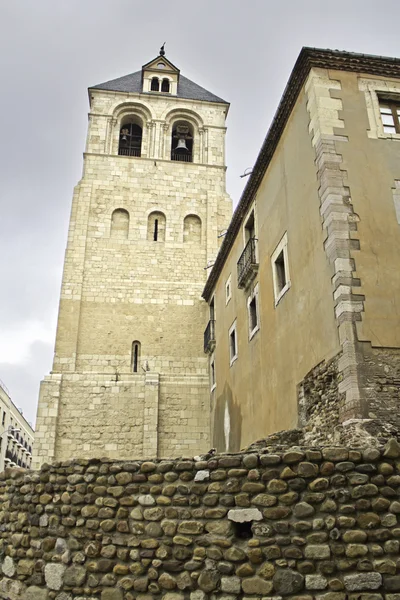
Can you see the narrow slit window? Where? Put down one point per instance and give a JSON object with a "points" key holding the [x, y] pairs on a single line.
{"points": [[156, 227], [135, 356]]}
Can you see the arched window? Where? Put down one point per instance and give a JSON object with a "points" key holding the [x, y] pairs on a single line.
{"points": [[120, 223], [155, 84], [192, 229], [156, 227], [135, 358], [130, 137], [182, 142], [165, 85]]}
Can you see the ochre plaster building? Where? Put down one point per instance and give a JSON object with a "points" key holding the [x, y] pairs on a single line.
{"points": [[303, 318], [130, 377], [304, 296]]}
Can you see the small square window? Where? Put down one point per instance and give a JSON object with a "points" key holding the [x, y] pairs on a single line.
{"points": [[280, 269], [390, 115], [228, 289], [233, 347], [252, 307]]}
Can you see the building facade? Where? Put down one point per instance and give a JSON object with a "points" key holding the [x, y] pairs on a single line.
{"points": [[16, 434], [130, 377], [304, 325]]}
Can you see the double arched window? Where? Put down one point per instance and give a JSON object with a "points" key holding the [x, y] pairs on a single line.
{"points": [[155, 85], [130, 136], [182, 141]]}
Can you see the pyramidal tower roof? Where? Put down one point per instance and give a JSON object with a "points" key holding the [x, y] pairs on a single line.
{"points": [[133, 83]]}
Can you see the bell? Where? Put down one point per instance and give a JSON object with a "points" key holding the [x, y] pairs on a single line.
{"points": [[124, 138], [181, 145]]}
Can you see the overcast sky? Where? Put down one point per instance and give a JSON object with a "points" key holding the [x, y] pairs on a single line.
{"points": [[52, 50]]}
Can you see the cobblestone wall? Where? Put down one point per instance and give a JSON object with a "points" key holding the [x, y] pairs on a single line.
{"points": [[313, 523]]}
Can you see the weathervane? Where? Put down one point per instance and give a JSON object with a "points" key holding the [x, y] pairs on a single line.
{"points": [[162, 51]]}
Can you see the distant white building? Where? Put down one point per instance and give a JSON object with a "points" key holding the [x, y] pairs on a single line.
{"points": [[16, 434]]}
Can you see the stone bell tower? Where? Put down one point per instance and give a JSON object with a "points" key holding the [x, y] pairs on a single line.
{"points": [[129, 377]]}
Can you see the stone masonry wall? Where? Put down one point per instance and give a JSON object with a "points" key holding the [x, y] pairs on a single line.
{"points": [[382, 383], [305, 523], [319, 403]]}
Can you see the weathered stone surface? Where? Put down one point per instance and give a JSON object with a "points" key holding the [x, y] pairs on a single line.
{"points": [[8, 567], [231, 585], [256, 585], [35, 593], [53, 574], [209, 580], [202, 475], [288, 582], [244, 515], [362, 582], [74, 576], [316, 582]]}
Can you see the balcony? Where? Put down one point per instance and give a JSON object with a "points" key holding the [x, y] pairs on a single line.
{"points": [[209, 337], [247, 266]]}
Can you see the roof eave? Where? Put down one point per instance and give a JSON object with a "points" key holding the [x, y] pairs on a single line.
{"points": [[308, 58]]}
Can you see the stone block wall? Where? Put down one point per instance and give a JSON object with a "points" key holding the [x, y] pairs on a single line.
{"points": [[306, 523]]}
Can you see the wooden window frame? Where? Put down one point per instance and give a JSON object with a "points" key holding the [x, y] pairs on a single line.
{"points": [[393, 107]]}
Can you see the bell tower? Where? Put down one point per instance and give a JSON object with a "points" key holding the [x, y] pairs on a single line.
{"points": [[129, 377]]}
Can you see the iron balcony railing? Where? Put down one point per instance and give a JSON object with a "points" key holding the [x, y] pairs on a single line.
{"points": [[247, 265], [129, 151], [209, 336], [182, 157]]}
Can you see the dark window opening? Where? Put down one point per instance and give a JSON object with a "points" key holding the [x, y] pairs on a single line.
{"points": [[212, 309], [135, 356], [232, 344], [243, 531], [130, 140], [4, 418], [212, 372], [155, 85], [165, 85], [249, 229], [280, 272], [390, 115], [253, 314], [156, 227], [182, 143]]}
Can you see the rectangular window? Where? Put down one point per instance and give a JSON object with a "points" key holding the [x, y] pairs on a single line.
{"points": [[252, 307], [280, 269], [233, 349], [390, 115], [228, 289], [249, 228], [4, 418], [213, 381]]}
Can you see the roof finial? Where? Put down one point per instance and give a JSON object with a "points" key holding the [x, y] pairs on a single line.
{"points": [[162, 51]]}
